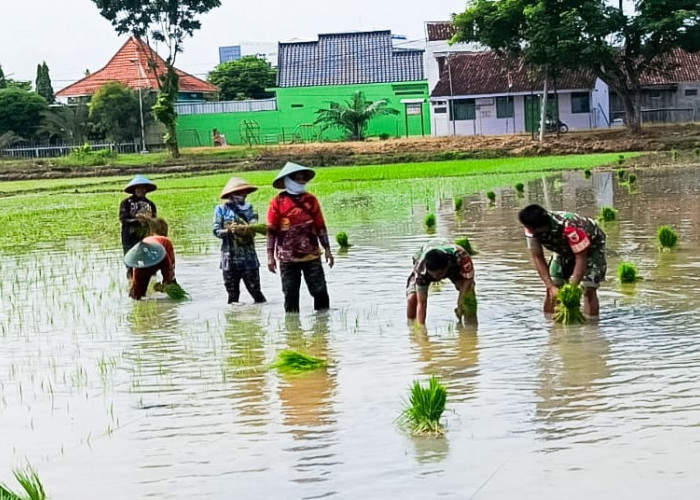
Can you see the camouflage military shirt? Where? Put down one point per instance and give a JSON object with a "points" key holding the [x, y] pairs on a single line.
{"points": [[568, 235]]}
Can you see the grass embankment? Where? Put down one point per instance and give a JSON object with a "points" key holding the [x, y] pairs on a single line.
{"points": [[408, 150], [50, 212]]}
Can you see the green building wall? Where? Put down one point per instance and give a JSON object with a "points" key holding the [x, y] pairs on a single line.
{"points": [[296, 109]]}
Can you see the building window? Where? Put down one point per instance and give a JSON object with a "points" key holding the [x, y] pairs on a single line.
{"points": [[439, 111], [297, 105], [580, 102], [463, 109], [691, 92], [505, 107]]}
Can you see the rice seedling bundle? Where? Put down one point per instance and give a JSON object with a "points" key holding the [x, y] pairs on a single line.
{"points": [[607, 214], [627, 272], [289, 361], [520, 188], [469, 305], [668, 238], [459, 204], [621, 160], [175, 291], [466, 244], [342, 239], [632, 179], [425, 408], [491, 196], [621, 174], [587, 173], [567, 309], [674, 154], [430, 221], [31, 484]]}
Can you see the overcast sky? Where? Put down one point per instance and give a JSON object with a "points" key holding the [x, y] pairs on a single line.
{"points": [[71, 36]]}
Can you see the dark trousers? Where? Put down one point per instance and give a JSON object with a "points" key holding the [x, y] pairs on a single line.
{"points": [[251, 280], [315, 281]]}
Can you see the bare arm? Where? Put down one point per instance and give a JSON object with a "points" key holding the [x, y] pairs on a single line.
{"points": [[543, 271], [422, 308], [579, 267]]}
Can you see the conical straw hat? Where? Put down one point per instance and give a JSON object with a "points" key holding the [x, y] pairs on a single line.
{"points": [[237, 185], [143, 255], [289, 169], [140, 180]]}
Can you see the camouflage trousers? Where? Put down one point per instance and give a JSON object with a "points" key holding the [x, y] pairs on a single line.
{"points": [[251, 280], [562, 267], [315, 281]]}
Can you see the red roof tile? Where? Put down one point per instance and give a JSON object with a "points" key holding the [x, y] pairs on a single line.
{"points": [[673, 67], [479, 73], [440, 30], [130, 66]]}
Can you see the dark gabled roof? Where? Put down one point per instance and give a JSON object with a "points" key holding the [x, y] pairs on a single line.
{"points": [[673, 67], [483, 73], [130, 66], [347, 59], [440, 30]]}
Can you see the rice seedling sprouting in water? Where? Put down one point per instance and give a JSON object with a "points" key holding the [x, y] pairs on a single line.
{"points": [[520, 188], [30, 483], [469, 306], [674, 155], [621, 174], [627, 272], [175, 291], [668, 238], [459, 204], [425, 408], [430, 221], [466, 244], [342, 239], [587, 173], [567, 309], [607, 214], [289, 361], [491, 197], [621, 160], [631, 179]]}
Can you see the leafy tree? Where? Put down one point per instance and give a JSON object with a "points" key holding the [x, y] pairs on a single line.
{"points": [[3, 81], [21, 112], [246, 78], [618, 46], [115, 110], [43, 83], [69, 123], [168, 22], [7, 140], [9, 83], [353, 116]]}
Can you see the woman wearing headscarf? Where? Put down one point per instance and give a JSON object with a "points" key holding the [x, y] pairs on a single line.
{"points": [[131, 208]]}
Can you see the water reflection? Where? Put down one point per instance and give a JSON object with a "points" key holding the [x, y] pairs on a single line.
{"points": [[571, 376]]}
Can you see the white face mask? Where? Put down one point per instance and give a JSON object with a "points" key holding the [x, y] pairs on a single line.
{"points": [[293, 187]]}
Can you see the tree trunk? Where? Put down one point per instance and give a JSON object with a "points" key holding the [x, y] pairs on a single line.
{"points": [[633, 116], [164, 110], [543, 112]]}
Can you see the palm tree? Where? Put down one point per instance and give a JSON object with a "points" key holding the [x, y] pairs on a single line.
{"points": [[8, 139], [353, 116], [68, 123]]}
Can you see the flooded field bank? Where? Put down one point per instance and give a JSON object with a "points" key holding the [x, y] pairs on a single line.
{"points": [[110, 398]]}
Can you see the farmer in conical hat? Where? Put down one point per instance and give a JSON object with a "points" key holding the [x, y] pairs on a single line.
{"points": [[152, 254], [135, 205], [296, 233], [232, 224]]}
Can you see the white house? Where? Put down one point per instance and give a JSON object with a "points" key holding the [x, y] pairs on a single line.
{"points": [[480, 93], [438, 48]]}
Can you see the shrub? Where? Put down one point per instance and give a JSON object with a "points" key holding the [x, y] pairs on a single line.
{"points": [[425, 408]]}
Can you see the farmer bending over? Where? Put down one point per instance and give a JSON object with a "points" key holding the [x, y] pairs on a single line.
{"points": [[435, 262], [152, 254], [578, 244]]}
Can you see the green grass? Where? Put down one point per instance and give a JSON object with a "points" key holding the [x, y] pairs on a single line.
{"points": [[31, 485], [342, 239], [296, 362], [607, 214], [425, 408], [567, 309], [627, 272], [667, 237]]}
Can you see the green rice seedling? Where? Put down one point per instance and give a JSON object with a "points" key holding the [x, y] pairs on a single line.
{"points": [[175, 291], [621, 160], [466, 244], [627, 272], [697, 151], [668, 238], [567, 309], [289, 361], [342, 239], [425, 408], [491, 197], [29, 480], [520, 188], [621, 172], [674, 155], [607, 214], [459, 204], [632, 179], [587, 173], [469, 306], [430, 221]]}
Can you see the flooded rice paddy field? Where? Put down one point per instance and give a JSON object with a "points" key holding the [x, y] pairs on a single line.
{"points": [[114, 399]]}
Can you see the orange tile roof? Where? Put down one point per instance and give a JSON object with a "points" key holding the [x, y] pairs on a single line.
{"points": [[130, 66]]}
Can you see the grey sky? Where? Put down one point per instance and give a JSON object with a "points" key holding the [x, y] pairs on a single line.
{"points": [[71, 36]]}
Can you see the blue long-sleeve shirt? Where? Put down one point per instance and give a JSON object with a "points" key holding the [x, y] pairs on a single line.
{"points": [[237, 251]]}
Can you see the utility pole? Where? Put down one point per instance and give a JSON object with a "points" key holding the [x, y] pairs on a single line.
{"points": [[143, 128]]}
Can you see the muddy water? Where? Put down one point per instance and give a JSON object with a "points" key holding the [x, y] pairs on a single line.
{"points": [[161, 400]]}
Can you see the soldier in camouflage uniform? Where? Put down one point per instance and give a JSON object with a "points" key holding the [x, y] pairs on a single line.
{"points": [[578, 244]]}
